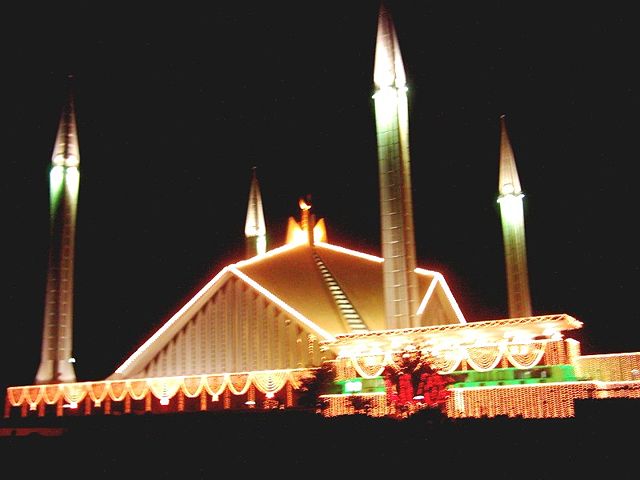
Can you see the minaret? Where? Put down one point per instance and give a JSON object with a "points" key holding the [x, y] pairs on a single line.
{"points": [[254, 228], [56, 362], [396, 209], [512, 217]]}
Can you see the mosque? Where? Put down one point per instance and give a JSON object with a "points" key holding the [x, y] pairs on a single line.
{"points": [[264, 325]]}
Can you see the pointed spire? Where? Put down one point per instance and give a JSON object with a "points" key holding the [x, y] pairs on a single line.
{"points": [[508, 182], [388, 68], [255, 229], [66, 150], [307, 219]]}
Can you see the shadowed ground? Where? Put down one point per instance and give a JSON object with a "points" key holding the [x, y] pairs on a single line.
{"points": [[299, 443]]}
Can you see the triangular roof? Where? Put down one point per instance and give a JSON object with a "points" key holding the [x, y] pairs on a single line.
{"points": [[289, 277]]}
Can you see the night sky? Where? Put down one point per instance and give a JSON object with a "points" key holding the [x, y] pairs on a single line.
{"points": [[174, 107]]}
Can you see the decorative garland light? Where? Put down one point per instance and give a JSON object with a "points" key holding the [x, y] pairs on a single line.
{"points": [[548, 400], [525, 356], [163, 388], [373, 366]]}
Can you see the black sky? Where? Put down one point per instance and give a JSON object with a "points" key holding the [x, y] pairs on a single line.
{"points": [[175, 107]]}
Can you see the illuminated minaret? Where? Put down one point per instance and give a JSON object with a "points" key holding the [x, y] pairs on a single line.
{"points": [[56, 361], [512, 217], [396, 210], [254, 228]]}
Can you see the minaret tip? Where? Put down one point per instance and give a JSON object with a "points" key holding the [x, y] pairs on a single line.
{"points": [[255, 229], [66, 151], [508, 180], [388, 70], [70, 81], [307, 222], [305, 203]]}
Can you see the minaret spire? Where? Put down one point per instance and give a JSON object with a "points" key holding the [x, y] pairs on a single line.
{"points": [[512, 217], [255, 229], [307, 219], [56, 362], [396, 206]]}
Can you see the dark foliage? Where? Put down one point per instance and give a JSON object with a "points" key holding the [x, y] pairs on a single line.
{"points": [[319, 381]]}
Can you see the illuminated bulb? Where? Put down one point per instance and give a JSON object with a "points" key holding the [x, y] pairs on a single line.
{"points": [[419, 397], [214, 397], [249, 402], [164, 401], [269, 395]]}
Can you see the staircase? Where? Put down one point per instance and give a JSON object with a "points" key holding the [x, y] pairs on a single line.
{"points": [[347, 311]]}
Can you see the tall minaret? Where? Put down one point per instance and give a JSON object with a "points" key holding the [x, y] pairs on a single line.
{"points": [[56, 362], [396, 209], [512, 216], [254, 228]]}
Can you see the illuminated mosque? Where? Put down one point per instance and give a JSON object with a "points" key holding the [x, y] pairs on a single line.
{"points": [[252, 335]]}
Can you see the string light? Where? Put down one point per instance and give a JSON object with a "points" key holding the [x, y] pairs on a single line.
{"points": [[600, 376]]}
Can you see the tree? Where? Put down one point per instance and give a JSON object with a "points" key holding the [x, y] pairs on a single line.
{"points": [[318, 382], [413, 384]]}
